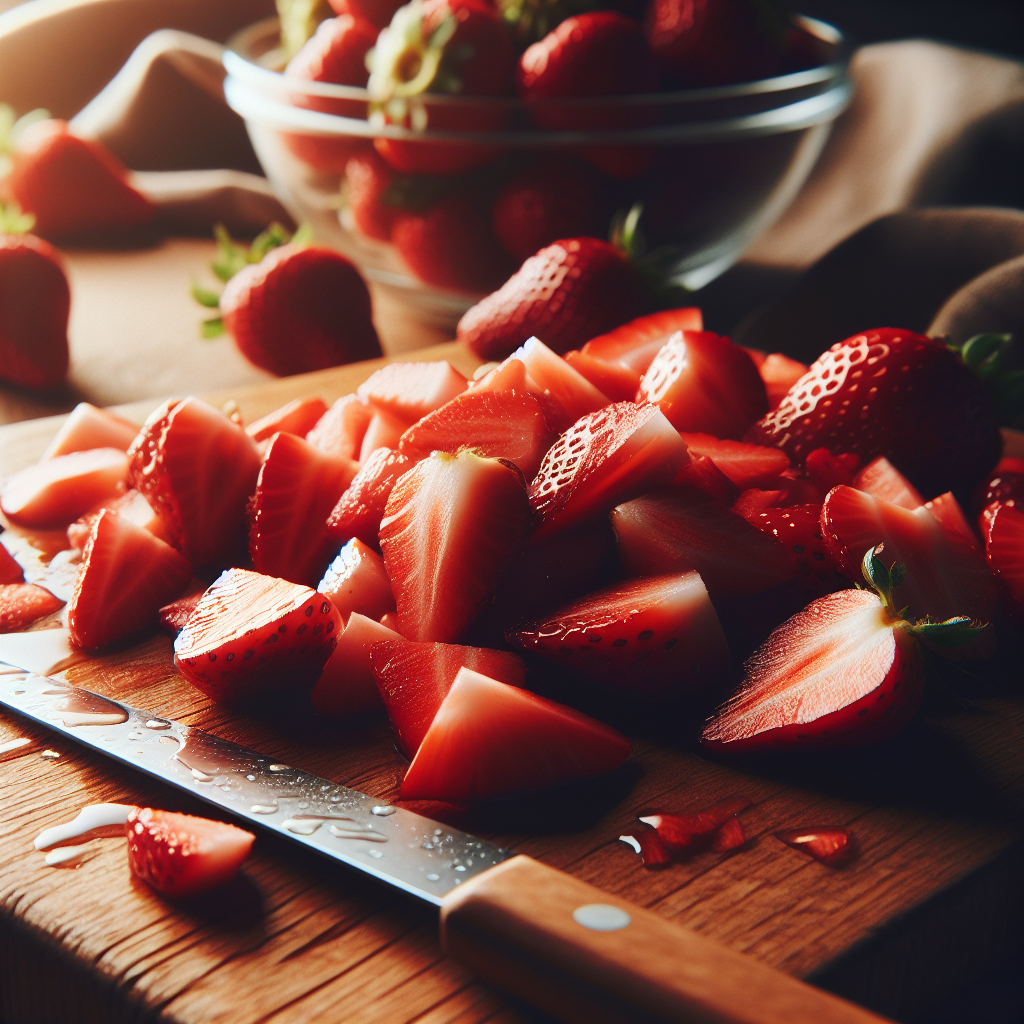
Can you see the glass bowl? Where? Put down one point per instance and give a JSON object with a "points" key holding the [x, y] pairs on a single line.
{"points": [[706, 169]]}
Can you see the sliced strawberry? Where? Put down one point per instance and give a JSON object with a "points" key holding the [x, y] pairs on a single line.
{"points": [[882, 479], [674, 529], [617, 382], [10, 570], [55, 492], [650, 637], [415, 678], [197, 469], [88, 427], [251, 634], [1004, 548], [347, 686], [174, 615], [356, 581], [298, 417], [746, 465], [127, 575], [682, 832], [410, 390], [830, 845], [1005, 485], [509, 375], [131, 505], [730, 836], [22, 603], [826, 470], [799, 529], [648, 844], [704, 384], [498, 424], [634, 345], [296, 490], [605, 458], [945, 575], [450, 526], [340, 430], [947, 510], [182, 856], [383, 431], [779, 374], [361, 507], [489, 739], [753, 501], [702, 473]]}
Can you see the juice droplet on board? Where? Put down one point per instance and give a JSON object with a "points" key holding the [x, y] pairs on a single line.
{"points": [[16, 744], [101, 819], [67, 856]]}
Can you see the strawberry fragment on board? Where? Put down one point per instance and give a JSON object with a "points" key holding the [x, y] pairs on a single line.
{"points": [[88, 427], [829, 845], [356, 581], [22, 603], [182, 856], [647, 843]]}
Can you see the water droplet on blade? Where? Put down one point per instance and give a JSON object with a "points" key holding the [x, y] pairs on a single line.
{"points": [[383, 810], [157, 723], [305, 827], [264, 808]]}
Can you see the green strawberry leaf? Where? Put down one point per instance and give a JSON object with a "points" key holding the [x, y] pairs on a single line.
{"points": [[231, 257], [275, 235], [882, 579], [13, 221], [956, 632], [204, 296], [211, 328]]}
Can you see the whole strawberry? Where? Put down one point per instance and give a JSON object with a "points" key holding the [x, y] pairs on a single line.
{"points": [[893, 393], [569, 292]]}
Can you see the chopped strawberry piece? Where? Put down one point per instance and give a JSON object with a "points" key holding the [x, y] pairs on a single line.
{"points": [[730, 836], [1005, 485], [753, 501], [451, 524], [127, 575], [383, 431], [826, 470], [634, 345], [674, 529], [197, 469], [651, 637], [22, 603], [702, 473], [947, 510], [346, 686], [183, 856], [617, 382], [605, 458], [704, 384], [88, 427], [1004, 548], [414, 679], [799, 529], [882, 479], [489, 739], [10, 570], [498, 424], [252, 634], [648, 844], [55, 492], [361, 508], [507, 376], [746, 465], [681, 832], [779, 373], [829, 845], [356, 581], [340, 430], [173, 616], [296, 490], [410, 390], [390, 620], [132, 505], [298, 417]]}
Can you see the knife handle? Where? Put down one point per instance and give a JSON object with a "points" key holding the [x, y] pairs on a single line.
{"points": [[586, 957]]}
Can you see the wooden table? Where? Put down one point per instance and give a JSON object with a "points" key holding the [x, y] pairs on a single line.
{"points": [[932, 898]]}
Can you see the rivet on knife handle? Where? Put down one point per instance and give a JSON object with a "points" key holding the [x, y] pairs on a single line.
{"points": [[588, 958]]}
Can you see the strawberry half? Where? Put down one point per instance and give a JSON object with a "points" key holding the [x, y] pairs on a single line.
{"points": [[127, 575], [651, 637], [252, 634], [182, 856], [361, 507], [489, 739], [22, 603], [451, 524]]}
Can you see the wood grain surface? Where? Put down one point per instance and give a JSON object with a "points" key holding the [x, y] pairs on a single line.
{"points": [[933, 894]]}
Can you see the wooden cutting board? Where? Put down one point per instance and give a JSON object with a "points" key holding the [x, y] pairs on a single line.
{"points": [[930, 900]]}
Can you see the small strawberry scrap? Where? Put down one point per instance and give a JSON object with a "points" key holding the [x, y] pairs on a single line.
{"points": [[828, 845], [663, 837]]}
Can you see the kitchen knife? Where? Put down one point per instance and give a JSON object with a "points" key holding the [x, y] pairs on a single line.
{"points": [[555, 942]]}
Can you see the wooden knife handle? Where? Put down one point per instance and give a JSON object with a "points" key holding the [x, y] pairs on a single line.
{"points": [[586, 957]]}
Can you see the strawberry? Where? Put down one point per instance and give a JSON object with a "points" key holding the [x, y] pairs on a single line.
{"points": [[799, 529], [22, 603], [197, 470], [779, 374], [550, 198], [635, 344], [647, 843], [252, 634], [295, 492], [360, 509], [414, 679], [301, 308], [451, 524], [1004, 549], [368, 184], [35, 301], [127, 575], [703, 474], [882, 479], [730, 836], [827, 844], [1005, 486], [297, 417], [704, 384], [674, 529], [383, 431], [746, 465], [603, 459], [617, 382], [489, 739], [411, 390], [175, 614], [131, 506], [652, 637], [356, 581], [88, 427], [346, 686], [948, 512], [54, 492], [377, 12], [565, 294], [10, 570], [183, 856], [846, 671], [694, 830], [73, 185], [340, 430], [499, 424], [942, 436]]}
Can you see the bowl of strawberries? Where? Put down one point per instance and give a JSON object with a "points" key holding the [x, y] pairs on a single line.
{"points": [[441, 143]]}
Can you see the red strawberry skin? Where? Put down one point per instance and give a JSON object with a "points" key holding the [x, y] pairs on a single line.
{"points": [[35, 301], [360, 509], [1004, 548], [368, 178], [894, 393], [301, 308], [10, 569], [566, 294], [799, 529], [336, 52], [22, 603]]}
